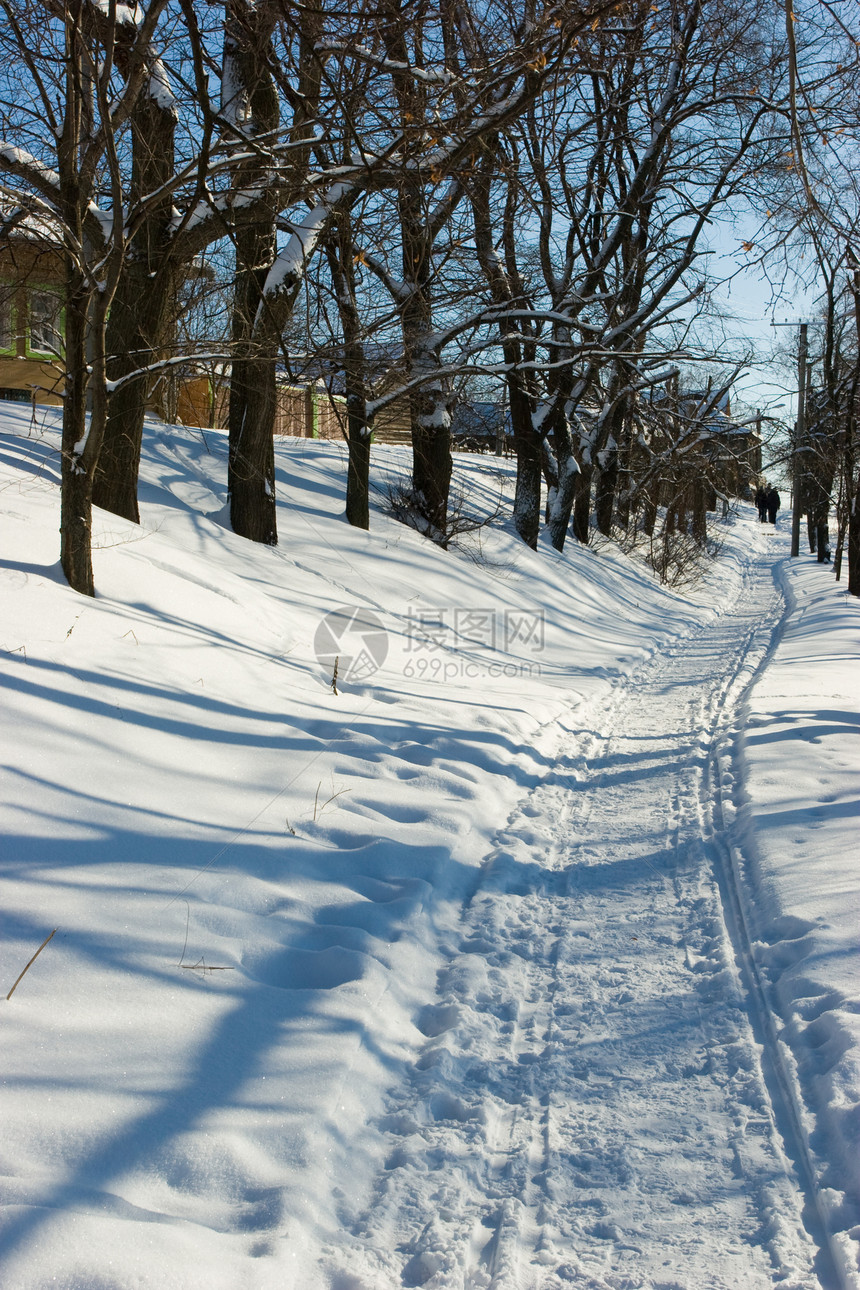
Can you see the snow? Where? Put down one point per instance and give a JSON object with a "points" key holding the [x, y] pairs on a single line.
{"points": [[125, 15], [527, 960], [14, 156], [803, 810], [163, 364], [158, 88], [47, 182], [234, 103], [428, 76], [292, 260]]}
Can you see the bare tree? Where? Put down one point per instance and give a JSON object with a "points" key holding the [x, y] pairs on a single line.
{"points": [[146, 287], [618, 173], [72, 176], [250, 99], [445, 84], [809, 204], [342, 256]]}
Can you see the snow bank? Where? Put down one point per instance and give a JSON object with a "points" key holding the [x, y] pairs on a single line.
{"points": [[803, 802]]}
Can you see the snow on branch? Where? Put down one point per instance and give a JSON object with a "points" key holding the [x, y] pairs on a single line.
{"points": [[158, 88], [18, 161], [125, 15], [46, 183], [290, 264], [398, 289], [164, 365], [366, 55]]}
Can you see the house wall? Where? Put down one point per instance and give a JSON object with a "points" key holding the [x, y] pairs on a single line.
{"points": [[195, 405], [306, 412], [309, 413], [393, 424], [26, 268], [330, 416], [302, 412]]}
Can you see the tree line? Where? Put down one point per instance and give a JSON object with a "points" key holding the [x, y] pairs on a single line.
{"points": [[512, 192]]}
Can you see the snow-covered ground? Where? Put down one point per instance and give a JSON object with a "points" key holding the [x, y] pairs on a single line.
{"points": [[527, 959]]}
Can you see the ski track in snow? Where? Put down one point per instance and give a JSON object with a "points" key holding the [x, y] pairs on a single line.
{"points": [[599, 1091]]}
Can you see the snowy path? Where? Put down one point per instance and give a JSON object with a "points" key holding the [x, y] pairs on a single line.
{"points": [[590, 1106], [495, 1012]]}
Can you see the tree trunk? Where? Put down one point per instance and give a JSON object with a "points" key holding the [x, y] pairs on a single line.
{"points": [[136, 330], [528, 445], [143, 305], [358, 478], [253, 393], [627, 461], [854, 544], [358, 439], [649, 513], [255, 110], [567, 479], [622, 505], [852, 489], [251, 458], [527, 492], [340, 254], [611, 436], [700, 513], [80, 442], [607, 482], [432, 463], [77, 480], [582, 505]]}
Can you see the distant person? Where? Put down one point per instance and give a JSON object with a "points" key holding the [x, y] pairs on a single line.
{"points": [[761, 503], [773, 504]]}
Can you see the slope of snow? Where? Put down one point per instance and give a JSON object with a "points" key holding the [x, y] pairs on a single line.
{"points": [[277, 905], [799, 830]]}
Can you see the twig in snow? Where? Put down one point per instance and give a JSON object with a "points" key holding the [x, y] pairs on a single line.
{"points": [[187, 921], [202, 966], [335, 794], [30, 964]]}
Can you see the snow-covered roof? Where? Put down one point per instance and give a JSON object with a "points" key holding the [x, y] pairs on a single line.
{"points": [[20, 225]]}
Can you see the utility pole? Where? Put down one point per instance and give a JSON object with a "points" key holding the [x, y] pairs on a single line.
{"points": [[799, 440], [799, 434], [501, 427]]}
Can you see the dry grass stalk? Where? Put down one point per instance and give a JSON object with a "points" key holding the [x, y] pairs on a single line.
{"points": [[30, 964]]}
